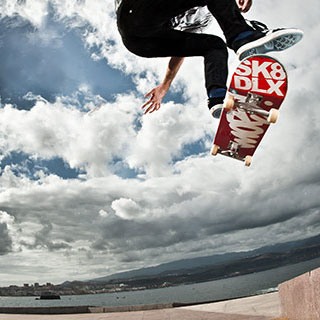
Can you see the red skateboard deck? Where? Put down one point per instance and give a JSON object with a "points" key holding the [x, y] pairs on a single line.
{"points": [[256, 92]]}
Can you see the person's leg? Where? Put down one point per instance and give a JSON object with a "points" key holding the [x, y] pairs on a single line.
{"points": [[147, 16], [229, 18], [172, 43], [246, 40], [182, 44], [144, 17]]}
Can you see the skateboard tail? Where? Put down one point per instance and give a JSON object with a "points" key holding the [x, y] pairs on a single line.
{"points": [[232, 154]]}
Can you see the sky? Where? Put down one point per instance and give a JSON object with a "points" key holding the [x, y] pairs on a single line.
{"points": [[89, 186]]}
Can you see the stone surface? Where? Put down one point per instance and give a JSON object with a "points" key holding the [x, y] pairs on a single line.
{"points": [[267, 305], [300, 297], [166, 314]]}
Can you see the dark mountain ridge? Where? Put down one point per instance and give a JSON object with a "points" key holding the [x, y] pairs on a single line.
{"points": [[194, 265]]}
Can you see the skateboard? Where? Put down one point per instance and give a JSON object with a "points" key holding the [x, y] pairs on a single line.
{"points": [[257, 89]]}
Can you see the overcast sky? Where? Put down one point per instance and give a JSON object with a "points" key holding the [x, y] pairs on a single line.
{"points": [[90, 187]]}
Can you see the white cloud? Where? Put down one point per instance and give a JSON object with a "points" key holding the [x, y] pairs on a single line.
{"points": [[126, 209], [164, 134], [83, 140], [34, 11], [8, 234], [6, 218], [177, 206]]}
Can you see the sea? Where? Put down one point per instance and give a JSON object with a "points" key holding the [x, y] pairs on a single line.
{"points": [[229, 288]]}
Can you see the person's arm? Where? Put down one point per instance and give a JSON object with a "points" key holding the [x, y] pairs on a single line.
{"points": [[156, 95], [244, 5]]}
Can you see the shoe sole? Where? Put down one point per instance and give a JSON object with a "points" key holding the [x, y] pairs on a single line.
{"points": [[276, 41], [216, 111]]}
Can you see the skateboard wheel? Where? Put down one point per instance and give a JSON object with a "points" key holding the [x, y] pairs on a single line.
{"points": [[247, 161], [229, 104], [273, 116], [215, 149]]}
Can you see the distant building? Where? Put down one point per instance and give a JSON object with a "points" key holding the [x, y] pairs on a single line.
{"points": [[26, 285], [36, 284]]}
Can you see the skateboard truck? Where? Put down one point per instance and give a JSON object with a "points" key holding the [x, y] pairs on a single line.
{"points": [[251, 105], [232, 152]]}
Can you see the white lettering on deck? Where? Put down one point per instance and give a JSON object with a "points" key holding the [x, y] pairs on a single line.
{"points": [[247, 77], [246, 129]]}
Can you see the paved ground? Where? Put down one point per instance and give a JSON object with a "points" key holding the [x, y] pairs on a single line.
{"points": [[168, 314], [267, 305], [264, 307]]}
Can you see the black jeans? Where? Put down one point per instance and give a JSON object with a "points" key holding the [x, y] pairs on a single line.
{"points": [[144, 27]]}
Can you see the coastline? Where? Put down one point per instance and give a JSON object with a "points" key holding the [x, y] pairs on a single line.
{"points": [[119, 309], [231, 288], [270, 306], [261, 307]]}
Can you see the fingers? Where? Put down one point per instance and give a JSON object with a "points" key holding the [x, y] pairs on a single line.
{"points": [[156, 108], [149, 94], [152, 104], [245, 5], [148, 102], [242, 5], [149, 109], [152, 108]]}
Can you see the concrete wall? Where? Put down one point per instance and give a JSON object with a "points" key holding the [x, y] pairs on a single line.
{"points": [[81, 309], [130, 308], [45, 310], [300, 297]]}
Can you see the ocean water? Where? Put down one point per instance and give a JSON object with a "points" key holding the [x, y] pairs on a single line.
{"points": [[255, 283]]}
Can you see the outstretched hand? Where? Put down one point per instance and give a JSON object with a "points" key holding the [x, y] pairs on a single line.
{"points": [[244, 5], [156, 95]]}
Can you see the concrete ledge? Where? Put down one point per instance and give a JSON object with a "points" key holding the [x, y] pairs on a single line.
{"points": [[82, 309], [130, 308], [45, 310], [300, 297]]}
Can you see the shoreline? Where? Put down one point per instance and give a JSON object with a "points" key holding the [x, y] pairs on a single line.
{"points": [[79, 309], [268, 306], [123, 309], [139, 289]]}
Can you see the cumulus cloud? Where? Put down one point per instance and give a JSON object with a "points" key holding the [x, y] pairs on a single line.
{"points": [[82, 139], [179, 202], [6, 241], [126, 209], [34, 11]]}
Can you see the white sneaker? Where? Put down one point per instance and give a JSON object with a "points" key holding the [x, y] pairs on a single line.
{"points": [[262, 40]]}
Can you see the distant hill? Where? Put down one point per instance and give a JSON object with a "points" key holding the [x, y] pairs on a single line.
{"points": [[180, 267]]}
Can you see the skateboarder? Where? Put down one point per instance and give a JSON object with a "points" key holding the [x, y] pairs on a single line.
{"points": [[151, 29]]}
